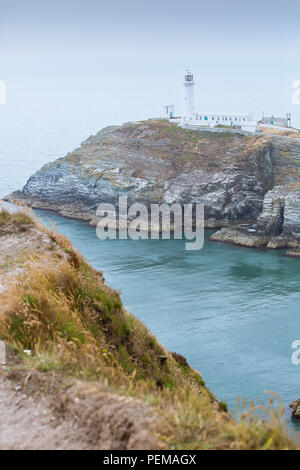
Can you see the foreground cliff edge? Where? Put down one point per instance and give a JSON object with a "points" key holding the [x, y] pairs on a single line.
{"points": [[250, 183], [82, 372]]}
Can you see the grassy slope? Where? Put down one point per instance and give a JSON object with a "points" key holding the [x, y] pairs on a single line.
{"points": [[74, 324]]}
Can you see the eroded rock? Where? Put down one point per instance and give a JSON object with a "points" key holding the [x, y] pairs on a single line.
{"points": [[239, 179], [295, 405], [157, 162]]}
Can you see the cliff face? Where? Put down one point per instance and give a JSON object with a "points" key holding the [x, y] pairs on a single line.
{"points": [[281, 212], [239, 179], [155, 161]]}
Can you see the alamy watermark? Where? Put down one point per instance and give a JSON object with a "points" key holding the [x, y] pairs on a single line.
{"points": [[157, 221], [296, 354], [2, 92], [296, 93]]}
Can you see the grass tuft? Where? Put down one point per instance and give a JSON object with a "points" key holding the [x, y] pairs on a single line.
{"points": [[15, 221]]}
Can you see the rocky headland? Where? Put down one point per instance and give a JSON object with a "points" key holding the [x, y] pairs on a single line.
{"points": [[249, 185]]}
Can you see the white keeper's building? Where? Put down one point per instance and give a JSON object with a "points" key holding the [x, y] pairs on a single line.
{"points": [[192, 117]]}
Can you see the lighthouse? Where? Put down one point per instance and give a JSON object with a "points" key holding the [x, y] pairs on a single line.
{"points": [[192, 118], [188, 95]]}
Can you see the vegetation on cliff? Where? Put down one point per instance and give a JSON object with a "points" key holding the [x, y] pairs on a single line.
{"points": [[61, 320]]}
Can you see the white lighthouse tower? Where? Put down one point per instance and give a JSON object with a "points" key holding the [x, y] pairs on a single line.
{"points": [[188, 96]]}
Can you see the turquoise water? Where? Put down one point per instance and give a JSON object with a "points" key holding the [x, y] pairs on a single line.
{"points": [[233, 312]]}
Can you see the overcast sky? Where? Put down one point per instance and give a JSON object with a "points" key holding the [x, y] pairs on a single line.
{"points": [[244, 54]]}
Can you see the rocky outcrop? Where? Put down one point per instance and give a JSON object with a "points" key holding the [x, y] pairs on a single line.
{"points": [[295, 405], [249, 182], [155, 161], [243, 235], [278, 226], [271, 219], [281, 212]]}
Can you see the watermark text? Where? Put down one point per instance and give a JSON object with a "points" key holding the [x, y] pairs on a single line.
{"points": [[157, 221], [296, 93], [296, 354]]}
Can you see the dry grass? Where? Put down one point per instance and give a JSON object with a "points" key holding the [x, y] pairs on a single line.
{"points": [[286, 133], [73, 323], [62, 308], [16, 221]]}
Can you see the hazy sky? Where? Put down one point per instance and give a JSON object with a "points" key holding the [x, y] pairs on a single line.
{"points": [[132, 54]]}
